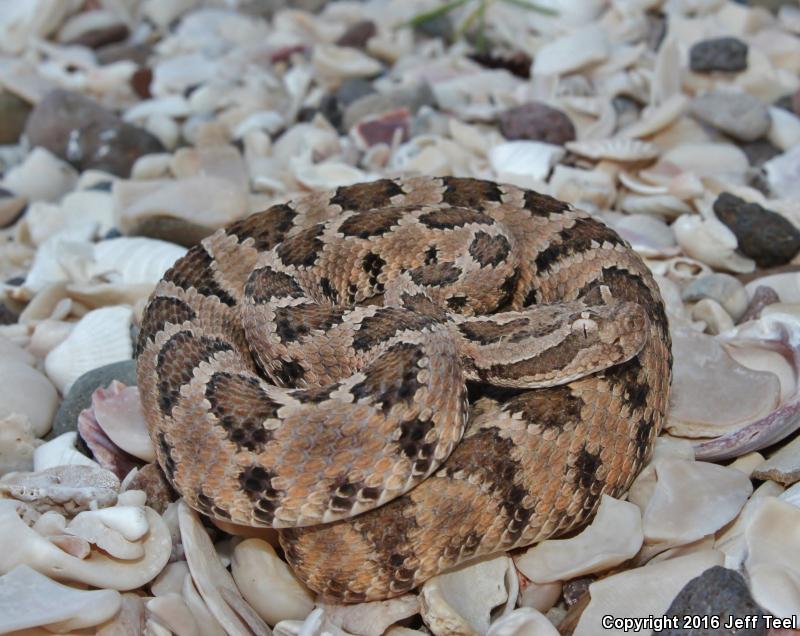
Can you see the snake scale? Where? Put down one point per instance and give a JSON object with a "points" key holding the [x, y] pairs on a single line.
{"points": [[405, 374]]}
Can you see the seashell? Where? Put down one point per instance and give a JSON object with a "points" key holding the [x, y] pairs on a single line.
{"points": [[573, 52], [710, 312], [267, 120], [119, 413], [514, 161], [26, 391], [213, 581], [390, 128], [29, 599], [523, 622], [316, 623], [98, 569], [103, 450], [218, 160], [332, 174], [372, 619], [637, 186], [462, 600], [132, 261], [682, 270], [773, 540], [114, 530], [173, 613], [614, 536], [656, 118], [785, 285], [691, 500], [41, 177], [268, 584], [152, 166], [665, 205], [783, 172], [648, 235], [775, 340], [703, 374], [60, 451], [316, 141], [17, 443], [209, 626], [782, 466], [711, 242], [709, 159], [642, 591], [784, 131], [170, 579], [163, 128], [616, 149], [67, 489], [101, 337], [723, 288], [343, 62], [589, 189], [174, 106]]}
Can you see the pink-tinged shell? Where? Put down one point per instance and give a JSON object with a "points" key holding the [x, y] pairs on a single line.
{"points": [[778, 332]]}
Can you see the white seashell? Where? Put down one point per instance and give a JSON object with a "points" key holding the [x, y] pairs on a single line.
{"points": [[716, 319], [709, 159], [153, 166], [209, 626], [173, 613], [773, 545], [101, 337], [786, 286], [170, 579], [648, 235], [173, 106], [213, 581], [29, 599], [60, 451], [783, 174], [94, 528], [615, 149], [657, 118], [26, 391], [89, 206], [665, 205], [691, 500], [712, 242], [782, 466], [98, 569], [462, 600], [637, 186], [704, 373], [614, 536], [163, 128], [268, 120], [784, 131], [118, 411], [268, 584], [41, 177], [723, 288], [584, 188], [641, 592], [132, 261], [316, 623], [515, 159], [315, 142], [54, 260], [332, 174], [17, 443], [523, 622], [372, 619], [581, 48], [342, 62]]}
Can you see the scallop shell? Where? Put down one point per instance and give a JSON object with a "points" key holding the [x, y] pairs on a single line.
{"points": [[615, 149], [665, 205], [101, 337], [657, 118], [132, 261]]}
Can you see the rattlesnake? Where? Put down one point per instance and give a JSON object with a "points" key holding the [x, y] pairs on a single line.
{"points": [[313, 368]]}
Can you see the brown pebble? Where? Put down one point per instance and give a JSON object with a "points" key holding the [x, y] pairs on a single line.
{"points": [[537, 121], [358, 34]]}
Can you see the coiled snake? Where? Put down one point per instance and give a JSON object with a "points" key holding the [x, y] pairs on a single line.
{"points": [[314, 367]]}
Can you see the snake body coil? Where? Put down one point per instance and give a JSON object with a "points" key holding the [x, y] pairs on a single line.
{"points": [[403, 375]]}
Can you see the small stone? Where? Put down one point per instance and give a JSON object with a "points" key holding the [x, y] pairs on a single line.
{"points": [[759, 152], [536, 121], [86, 134], [332, 105], [26, 390], [79, 396], [737, 114], [141, 80], [717, 592], [765, 236], [718, 54], [11, 207], [151, 480], [358, 34], [14, 113]]}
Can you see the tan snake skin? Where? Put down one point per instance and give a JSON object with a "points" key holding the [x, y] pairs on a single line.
{"points": [[321, 360]]}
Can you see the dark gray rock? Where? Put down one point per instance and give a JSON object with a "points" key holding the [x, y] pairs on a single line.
{"points": [[763, 235], [717, 592], [759, 152], [14, 113], [80, 395], [718, 54], [738, 114], [537, 122], [87, 135]]}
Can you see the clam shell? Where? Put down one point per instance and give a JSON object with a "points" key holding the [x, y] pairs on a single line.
{"points": [[523, 622], [656, 118], [616, 149], [101, 337], [665, 205], [712, 242], [133, 261], [515, 160]]}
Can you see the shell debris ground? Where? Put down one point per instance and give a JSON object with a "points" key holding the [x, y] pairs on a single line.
{"points": [[129, 131]]}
